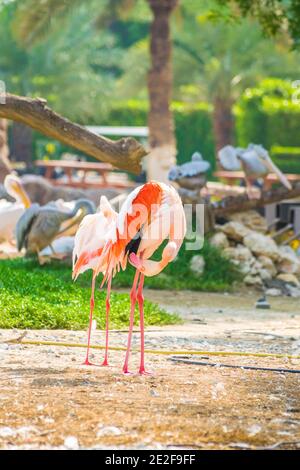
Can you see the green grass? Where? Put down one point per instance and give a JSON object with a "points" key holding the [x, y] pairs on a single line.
{"points": [[45, 297], [32, 296]]}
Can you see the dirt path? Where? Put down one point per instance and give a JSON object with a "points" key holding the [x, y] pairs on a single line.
{"points": [[46, 396]]}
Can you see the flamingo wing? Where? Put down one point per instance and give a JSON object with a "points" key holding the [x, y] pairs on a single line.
{"points": [[89, 241], [135, 215]]}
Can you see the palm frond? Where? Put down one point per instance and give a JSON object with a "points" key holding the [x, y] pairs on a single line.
{"points": [[115, 9], [34, 18]]}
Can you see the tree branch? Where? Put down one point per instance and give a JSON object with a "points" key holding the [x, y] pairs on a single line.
{"points": [[242, 203], [124, 154]]}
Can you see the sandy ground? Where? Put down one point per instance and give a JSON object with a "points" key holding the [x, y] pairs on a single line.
{"points": [[49, 400]]}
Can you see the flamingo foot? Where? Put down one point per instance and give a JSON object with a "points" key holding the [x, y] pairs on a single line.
{"points": [[126, 371], [142, 371], [104, 363], [88, 363]]}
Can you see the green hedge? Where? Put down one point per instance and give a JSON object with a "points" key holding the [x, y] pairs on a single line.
{"points": [[268, 115], [193, 125], [287, 158]]}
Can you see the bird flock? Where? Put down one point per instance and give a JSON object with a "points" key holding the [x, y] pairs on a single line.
{"points": [[255, 161]]}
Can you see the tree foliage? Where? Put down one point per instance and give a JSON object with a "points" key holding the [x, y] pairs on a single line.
{"points": [[273, 15], [74, 67]]}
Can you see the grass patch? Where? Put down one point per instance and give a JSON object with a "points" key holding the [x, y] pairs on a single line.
{"points": [[32, 296], [45, 297]]}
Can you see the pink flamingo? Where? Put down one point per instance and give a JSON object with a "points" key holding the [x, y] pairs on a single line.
{"points": [[151, 214], [90, 240]]}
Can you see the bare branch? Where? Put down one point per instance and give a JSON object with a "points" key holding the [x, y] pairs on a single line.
{"points": [[125, 154], [242, 203]]}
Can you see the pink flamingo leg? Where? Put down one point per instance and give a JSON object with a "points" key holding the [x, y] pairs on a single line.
{"points": [[133, 297], [105, 362], [92, 305], [140, 299]]}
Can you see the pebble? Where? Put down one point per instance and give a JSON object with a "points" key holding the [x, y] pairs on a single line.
{"points": [[24, 431], [253, 430], [273, 292], [108, 431], [7, 432], [71, 443], [217, 390]]}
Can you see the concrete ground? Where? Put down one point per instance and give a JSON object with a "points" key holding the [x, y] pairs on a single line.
{"points": [[49, 400]]}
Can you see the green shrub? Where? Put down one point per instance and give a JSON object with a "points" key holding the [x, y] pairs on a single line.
{"points": [[268, 115], [287, 158], [193, 125]]}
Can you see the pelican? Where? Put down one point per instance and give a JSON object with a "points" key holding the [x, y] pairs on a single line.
{"points": [[255, 161], [40, 225], [10, 212], [191, 175]]}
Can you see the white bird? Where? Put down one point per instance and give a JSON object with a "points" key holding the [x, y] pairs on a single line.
{"points": [[61, 246], [255, 161], [191, 175], [10, 212]]}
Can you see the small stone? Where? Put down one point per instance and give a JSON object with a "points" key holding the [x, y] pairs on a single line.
{"points": [[217, 390], [197, 265], [293, 291], [265, 275], [48, 420], [7, 432], [25, 431], [261, 244], [245, 268], [240, 253], [252, 220], [253, 280], [219, 240], [253, 430], [71, 443], [273, 292], [267, 264], [108, 431], [289, 278], [289, 262], [235, 231]]}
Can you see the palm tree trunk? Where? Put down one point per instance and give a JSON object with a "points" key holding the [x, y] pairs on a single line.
{"points": [[223, 122], [160, 84], [21, 146], [5, 167]]}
